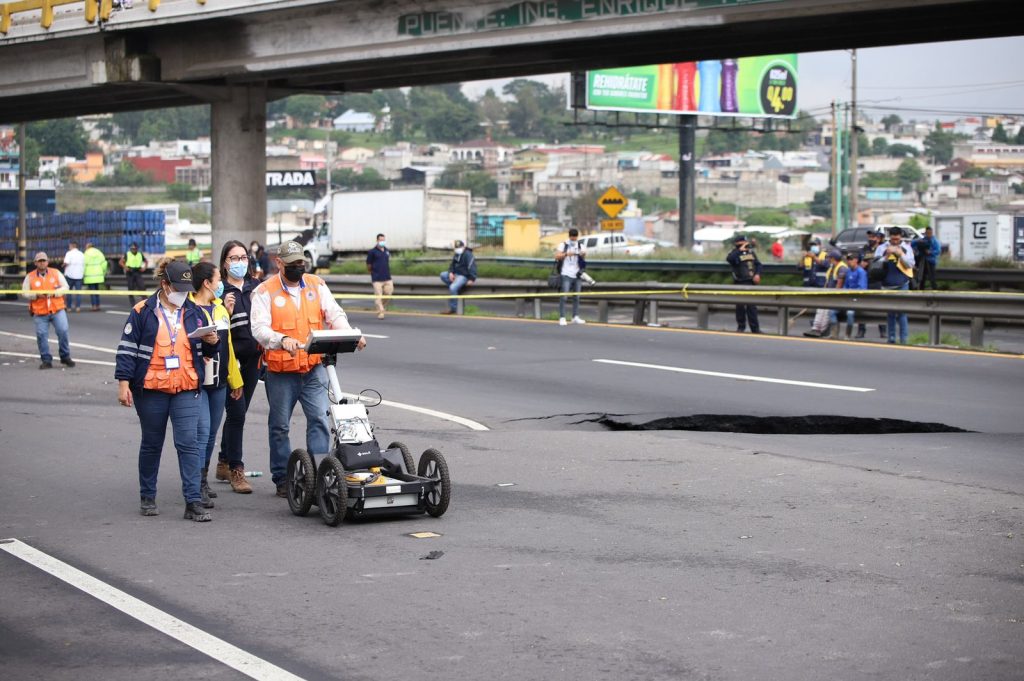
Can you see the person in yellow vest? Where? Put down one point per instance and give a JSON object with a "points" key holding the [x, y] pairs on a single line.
{"points": [[48, 308], [134, 264], [827, 321], [159, 371], [193, 255], [95, 272], [285, 308]]}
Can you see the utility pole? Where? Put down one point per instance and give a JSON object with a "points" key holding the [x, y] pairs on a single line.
{"points": [[327, 152], [687, 178], [835, 172], [22, 202], [854, 139]]}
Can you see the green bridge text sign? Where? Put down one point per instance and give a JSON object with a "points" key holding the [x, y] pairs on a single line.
{"points": [[527, 13]]}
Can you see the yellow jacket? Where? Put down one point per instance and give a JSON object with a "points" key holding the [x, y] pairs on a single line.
{"points": [[220, 313]]}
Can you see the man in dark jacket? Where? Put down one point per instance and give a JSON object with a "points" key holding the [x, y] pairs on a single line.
{"points": [[461, 273], [746, 271]]}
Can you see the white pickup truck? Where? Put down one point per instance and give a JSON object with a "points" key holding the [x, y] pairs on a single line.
{"points": [[611, 243]]}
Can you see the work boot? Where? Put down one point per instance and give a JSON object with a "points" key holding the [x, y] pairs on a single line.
{"points": [[68, 362], [849, 331], [194, 511], [282, 491], [46, 365], [223, 472], [204, 490], [147, 506], [238, 482], [862, 330], [882, 330]]}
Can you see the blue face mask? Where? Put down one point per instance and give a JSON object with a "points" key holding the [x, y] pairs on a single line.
{"points": [[219, 291], [238, 269], [382, 244]]}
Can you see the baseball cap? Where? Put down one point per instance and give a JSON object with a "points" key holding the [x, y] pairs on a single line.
{"points": [[179, 275], [738, 238], [459, 243], [290, 251], [835, 253], [40, 256]]}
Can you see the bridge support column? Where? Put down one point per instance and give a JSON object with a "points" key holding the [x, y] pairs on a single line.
{"points": [[238, 165]]}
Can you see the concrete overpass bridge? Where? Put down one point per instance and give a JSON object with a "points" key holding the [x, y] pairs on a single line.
{"points": [[68, 57]]}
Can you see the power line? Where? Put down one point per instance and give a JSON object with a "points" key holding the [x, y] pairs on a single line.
{"points": [[939, 87]]}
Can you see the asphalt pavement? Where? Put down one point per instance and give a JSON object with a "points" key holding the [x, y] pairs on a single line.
{"points": [[569, 551]]}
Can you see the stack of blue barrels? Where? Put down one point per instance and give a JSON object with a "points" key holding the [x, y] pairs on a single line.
{"points": [[111, 231]]}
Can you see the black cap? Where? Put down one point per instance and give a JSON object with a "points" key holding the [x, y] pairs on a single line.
{"points": [[459, 243], [738, 238], [179, 275]]}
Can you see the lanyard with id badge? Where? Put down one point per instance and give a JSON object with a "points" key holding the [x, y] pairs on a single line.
{"points": [[172, 362]]}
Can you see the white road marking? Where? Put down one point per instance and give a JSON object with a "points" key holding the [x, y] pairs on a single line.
{"points": [[210, 645], [739, 377], [469, 423], [54, 341], [77, 361]]}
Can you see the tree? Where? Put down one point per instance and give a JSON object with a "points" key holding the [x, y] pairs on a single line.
{"points": [[909, 174], [821, 204], [879, 179], [650, 204], [999, 134], [125, 175], [863, 145], [722, 141], [477, 182], [902, 150], [939, 144], [491, 108], [890, 121], [767, 216], [1019, 139], [61, 137], [31, 157], [918, 221], [350, 180], [584, 212], [305, 109], [879, 146]]}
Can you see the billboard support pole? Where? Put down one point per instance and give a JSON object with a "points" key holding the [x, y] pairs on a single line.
{"points": [[687, 178]]}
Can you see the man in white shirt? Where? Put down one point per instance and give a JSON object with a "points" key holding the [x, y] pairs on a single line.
{"points": [[572, 256], [285, 308], [74, 272]]}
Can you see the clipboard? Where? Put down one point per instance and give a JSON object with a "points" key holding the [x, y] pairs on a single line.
{"points": [[202, 331]]}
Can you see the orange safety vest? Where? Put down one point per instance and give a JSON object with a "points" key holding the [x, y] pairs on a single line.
{"points": [[158, 377], [46, 303], [293, 322]]}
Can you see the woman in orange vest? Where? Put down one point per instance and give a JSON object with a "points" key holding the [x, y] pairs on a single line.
{"points": [[160, 369], [48, 308]]}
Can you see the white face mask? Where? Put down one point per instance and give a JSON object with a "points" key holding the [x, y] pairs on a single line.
{"points": [[177, 298], [459, 251]]}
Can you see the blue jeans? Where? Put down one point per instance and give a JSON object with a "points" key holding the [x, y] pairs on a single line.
{"points": [[833, 316], [283, 391], [234, 422], [75, 285], [454, 287], [211, 411], [59, 320], [893, 318], [573, 284], [94, 300], [154, 408]]}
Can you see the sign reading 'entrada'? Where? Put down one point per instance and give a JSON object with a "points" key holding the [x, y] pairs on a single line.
{"points": [[291, 178], [526, 13]]}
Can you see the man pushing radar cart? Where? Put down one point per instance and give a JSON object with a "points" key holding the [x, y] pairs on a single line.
{"points": [[357, 478]]}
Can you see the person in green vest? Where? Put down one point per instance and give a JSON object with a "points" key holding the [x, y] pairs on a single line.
{"points": [[193, 255], [134, 264], [95, 272]]}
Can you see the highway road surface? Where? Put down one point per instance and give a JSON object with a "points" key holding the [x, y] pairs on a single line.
{"points": [[570, 550]]}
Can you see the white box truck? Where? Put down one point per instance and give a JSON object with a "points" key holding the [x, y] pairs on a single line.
{"points": [[974, 236], [412, 219]]}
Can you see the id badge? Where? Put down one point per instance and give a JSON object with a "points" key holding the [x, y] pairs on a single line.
{"points": [[172, 362]]}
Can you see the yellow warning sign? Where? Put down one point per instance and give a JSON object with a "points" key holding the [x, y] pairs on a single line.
{"points": [[612, 202], [612, 225]]}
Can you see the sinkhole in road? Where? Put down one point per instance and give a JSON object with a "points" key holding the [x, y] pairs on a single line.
{"points": [[774, 425]]}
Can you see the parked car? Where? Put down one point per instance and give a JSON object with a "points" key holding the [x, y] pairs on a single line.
{"points": [[856, 238], [609, 243]]}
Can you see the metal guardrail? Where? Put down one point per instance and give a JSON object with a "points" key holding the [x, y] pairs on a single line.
{"points": [[647, 299]]}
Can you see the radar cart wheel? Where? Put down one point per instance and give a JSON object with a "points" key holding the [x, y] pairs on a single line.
{"points": [[301, 482], [434, 467], [410, 465], [332, 491]]}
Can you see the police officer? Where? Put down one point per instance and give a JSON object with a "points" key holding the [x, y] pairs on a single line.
{"points": [[746, 271], [134, 264], [813, 265], [285, 308], [867, 254]]}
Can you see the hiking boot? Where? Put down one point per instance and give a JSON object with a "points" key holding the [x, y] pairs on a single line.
{"points": [[238, 482], [46, 365], [203, 483], [194, 511], [282, 491], [147, 506], [223, 471], [68, 362], [204, 491]]}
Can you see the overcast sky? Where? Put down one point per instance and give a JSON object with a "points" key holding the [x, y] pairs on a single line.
{"points": [[976, 76]]}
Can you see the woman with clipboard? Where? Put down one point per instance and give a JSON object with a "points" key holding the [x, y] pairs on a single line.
{"points": [[221, 370], [160, 369]]}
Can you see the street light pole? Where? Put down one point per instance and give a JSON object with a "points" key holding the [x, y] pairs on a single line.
{"points": [[854, 139]]}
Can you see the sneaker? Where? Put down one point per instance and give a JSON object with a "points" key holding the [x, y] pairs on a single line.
{"points": [[813, 333], [223, 471], [147, 506], [282, 491], [204, 490], [46, 365], [194, 511], [561, 321], [238, 482], [578, 320], [68, 362], [380, 315]]}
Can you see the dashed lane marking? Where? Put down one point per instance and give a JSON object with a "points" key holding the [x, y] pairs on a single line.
{"points": [[208, 644], [739, 377]]}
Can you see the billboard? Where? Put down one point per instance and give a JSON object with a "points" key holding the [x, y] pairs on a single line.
{"points": [[760, 87]]}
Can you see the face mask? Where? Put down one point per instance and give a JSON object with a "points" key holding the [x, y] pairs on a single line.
{"points": [[219, 291], [459, 251], [294, 272], [177, 298], [382, 244], [238, 269], [254, 247], [815, 250]]}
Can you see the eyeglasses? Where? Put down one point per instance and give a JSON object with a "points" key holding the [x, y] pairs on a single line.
{"points": [[238, 258]]}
